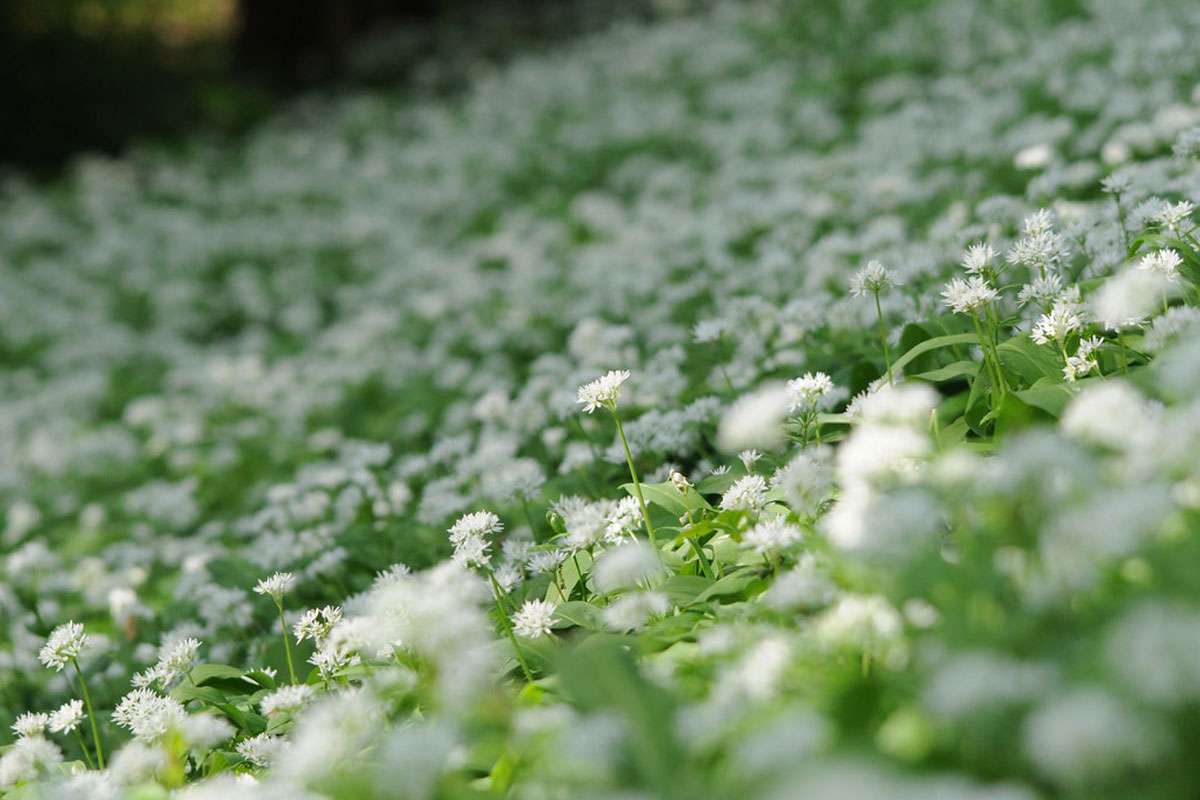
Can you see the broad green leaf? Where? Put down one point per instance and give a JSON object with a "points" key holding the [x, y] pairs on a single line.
{"points": [[1030, 362], [578, 614], [932, 344], [733, 584], [716, 484], [600, 674], [206, 694], [684, 589], [1048, 395], [220, 676], [665, 495]]}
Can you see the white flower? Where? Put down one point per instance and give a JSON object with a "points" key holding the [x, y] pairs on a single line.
{"points": [[748, 458], [1164, 262], [755, 420], [1055, 326], [872, 279], [967, 295], [473, 551], [30, 724], [859, 621], [748, 493], [333, 657], [205, 731], [63, 646], [772, 536], [316, 623], [628, 565], [276, 585], [1042, 290], [1112, 414], [758, 674], [1173, 214], [286, 700], [631, 611], [902, 404], [515, 550], [602, 392], [1127, 298], [545, 561], [176, 660], [805, 392], [1087, 734], [534, 619], [623, 518], [477, 523], [1117, 183], [148, 715], [977, 259], [1040, 247], [27, 759], [508, 576], [1083, 362], [261, 750], [67, 717]]}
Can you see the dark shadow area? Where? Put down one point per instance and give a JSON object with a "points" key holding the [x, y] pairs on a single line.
{"points": [[99, 75]]}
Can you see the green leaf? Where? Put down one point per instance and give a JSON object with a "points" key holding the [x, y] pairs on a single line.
{"points": [[600, 675], [932, 344], [221, 676], [1031, 362], [205, 694], [958, 369], [700, 529], [1048, 395], [578, 614], [683, 590], [665, 495], [569, 573], [716, 484], [261, 678], [733, 584]]}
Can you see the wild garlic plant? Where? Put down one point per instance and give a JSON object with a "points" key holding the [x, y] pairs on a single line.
{"points": [[922, 529]]}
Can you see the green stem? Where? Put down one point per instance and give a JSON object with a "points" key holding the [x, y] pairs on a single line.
{"points": [[1121, 220], [887, 355], [512, 637], [83, 747], [704, 565], [528, 516], [1124, 351], [287, 646], [87, 701], [637, 485], [987, 358]]}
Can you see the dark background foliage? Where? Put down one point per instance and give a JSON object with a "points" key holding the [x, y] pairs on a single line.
{"points": [[98, 75]]}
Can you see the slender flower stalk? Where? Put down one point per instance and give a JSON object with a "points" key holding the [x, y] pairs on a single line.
{"points": [[637, 484], [87, 757], [274, 587], [87, 701], [887, 356], [497, 592], [873, 279], [287, 646], [604, 392]]}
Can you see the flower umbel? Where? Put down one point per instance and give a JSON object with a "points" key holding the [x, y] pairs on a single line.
{"points": [[602, 392], [63, 646], [534, 619]]}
